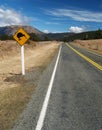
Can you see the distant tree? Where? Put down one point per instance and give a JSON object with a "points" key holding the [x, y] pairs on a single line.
{"points": [[34, 37], [46, 38], [98, 34], [85, 35], [4, 37], [10, 37]]}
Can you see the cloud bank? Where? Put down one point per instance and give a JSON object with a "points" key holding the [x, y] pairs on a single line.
{"points": [[76, 29], [10, 16], [77, 15], [46, 31]]}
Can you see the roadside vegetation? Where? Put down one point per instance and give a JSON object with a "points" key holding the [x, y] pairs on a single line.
{"points": [[33, 37], [15, 89]]}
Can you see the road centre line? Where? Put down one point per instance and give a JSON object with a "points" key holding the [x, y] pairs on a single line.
{"points": [[86, 58], [90, 51], [47, 97], [93, 53]]}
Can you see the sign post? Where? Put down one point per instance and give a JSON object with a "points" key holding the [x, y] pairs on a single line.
{"points": [[22, 60], [21, 37]]}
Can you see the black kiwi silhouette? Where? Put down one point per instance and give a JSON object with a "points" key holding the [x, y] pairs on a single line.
{"points": [[19, 35]]}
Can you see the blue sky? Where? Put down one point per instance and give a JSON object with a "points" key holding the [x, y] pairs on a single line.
{"points": [[53, 16]]}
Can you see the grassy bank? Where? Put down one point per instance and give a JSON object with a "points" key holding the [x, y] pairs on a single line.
{"points": [[15, 89]]}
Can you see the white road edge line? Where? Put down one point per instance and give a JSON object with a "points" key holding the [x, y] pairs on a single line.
{"points": [[47, 97]]}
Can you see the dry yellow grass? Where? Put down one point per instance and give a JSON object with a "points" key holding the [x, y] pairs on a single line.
{"points": [[94, 45], [12, 102], [15, 89]]}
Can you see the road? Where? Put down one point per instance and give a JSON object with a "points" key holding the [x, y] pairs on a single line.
{"points": [[95, 57], [75, 102]]}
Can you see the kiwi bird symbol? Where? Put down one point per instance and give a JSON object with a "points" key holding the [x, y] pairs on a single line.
{"points": [[19, 35]]}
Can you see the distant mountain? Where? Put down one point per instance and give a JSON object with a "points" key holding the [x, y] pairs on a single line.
{"points": [[85, 36], [35, 34], [10, 30], [58, 36]]}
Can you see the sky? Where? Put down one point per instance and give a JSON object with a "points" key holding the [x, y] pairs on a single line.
{"points": [[53, 15]]}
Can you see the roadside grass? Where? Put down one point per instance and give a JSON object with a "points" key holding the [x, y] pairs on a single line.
{"points": [[19, 89], [89, 49], [12, 103]]}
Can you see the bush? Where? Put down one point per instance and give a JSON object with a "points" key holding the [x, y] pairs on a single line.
{"points": [[34, 37], [5, 37]]}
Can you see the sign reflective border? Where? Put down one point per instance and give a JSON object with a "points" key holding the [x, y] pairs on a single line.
{"points": [[21, 36]]}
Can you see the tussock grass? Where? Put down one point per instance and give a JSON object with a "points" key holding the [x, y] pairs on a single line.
{"points": [[93, 45], [12, 102], [16, 90]]}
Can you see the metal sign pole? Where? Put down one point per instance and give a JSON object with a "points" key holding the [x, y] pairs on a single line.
{"points": [[22, 60]]}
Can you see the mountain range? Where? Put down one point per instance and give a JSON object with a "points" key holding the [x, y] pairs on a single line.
{"points": [[36, 34], [10, 30]]}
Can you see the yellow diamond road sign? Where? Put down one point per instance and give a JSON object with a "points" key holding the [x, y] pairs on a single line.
{"points": [[21, 36]]}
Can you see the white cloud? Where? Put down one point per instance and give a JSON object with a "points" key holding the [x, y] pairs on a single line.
{"points": [[78, 15], [76, 29], [46, 31], [10, 16]]}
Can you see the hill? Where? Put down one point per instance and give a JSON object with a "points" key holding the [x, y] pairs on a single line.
{"points": [[10, 30], [85, 36], [36, 35], [58, 36]]}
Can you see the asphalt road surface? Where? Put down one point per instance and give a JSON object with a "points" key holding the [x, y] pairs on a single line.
{"points": [[76, 97], [95, 57]]}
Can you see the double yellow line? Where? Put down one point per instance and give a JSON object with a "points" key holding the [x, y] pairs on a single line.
{"points": [[86, 58]]}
